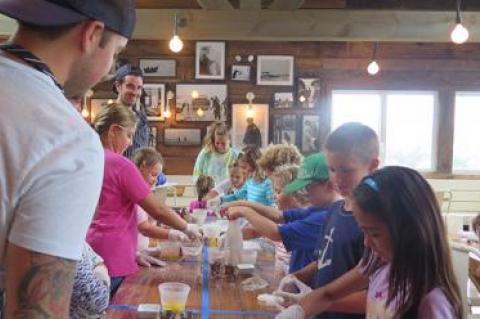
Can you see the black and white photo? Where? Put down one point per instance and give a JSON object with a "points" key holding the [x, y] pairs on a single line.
{"points": [[154, 101], [283, 100], [284, 129], [240, 72], [275, 70], [310, 132], [182, 137], [210, 60], [250, 125], [308, 92], [158, 67], [201, 102]]}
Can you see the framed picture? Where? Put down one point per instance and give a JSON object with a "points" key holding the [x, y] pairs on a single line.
{"points": [[154, 100], [240, 72], [210, 60], [250, 130], [275, 70], [284, 129], [283, 100], [201, 102], [308, 92], [182, 137], [310, 133], [153, 140], [96, 105], [159, 67]]}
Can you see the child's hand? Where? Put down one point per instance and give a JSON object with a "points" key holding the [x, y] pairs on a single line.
{"points": [[234, 212]]}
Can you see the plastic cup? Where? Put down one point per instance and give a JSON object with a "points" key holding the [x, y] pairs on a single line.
{"points": [[173, 296], [199, 215]]}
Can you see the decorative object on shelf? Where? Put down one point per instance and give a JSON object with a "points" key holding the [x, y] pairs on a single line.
{"points": [[238, 58], [310, 134], [285, 129], [275, 69], [308, 92], [250, 58], [210, 60], [176, 44], [154, 101], [243, 125], [283, 100], [158, 67], [182, 137], [212, 100], [240, 72]]}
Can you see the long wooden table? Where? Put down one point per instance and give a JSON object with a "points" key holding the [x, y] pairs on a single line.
{"points": [[211, 298]]}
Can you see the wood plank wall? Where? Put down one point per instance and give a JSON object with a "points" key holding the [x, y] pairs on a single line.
{"points": [[441, 67]]}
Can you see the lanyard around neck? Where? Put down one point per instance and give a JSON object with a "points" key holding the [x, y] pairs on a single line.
{"points": [[31, 59]]}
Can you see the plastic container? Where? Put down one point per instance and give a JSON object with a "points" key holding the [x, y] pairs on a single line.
{"points": [[249, 256], [173, 296], [191, 251], [199, 216], [170, 250]]}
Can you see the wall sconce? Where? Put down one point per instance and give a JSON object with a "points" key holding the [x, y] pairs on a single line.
{"points": [[176, 44], [459, 34], [167, 113], [250, 96], [373, 66]]}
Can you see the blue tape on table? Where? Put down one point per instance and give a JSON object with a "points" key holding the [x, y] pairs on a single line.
{"points": [[205, 302], [123, 307], [223, 312]]}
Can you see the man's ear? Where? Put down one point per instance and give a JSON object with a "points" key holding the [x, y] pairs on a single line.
{"points": [[91, 35], [373, 165]]}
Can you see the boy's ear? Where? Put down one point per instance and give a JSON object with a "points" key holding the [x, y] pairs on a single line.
{"points": [[373, 165]]}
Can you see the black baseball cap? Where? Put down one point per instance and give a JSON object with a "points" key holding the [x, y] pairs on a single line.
{"points": [[117, 15], [125, 70]]}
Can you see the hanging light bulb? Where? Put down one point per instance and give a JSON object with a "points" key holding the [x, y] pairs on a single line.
{"points": [[250, 113], [85, 113], [373, 68], [459, 34], [176, 44], [167, 114], [302, 98], [195, 94], [110, 101], [200, 112]]}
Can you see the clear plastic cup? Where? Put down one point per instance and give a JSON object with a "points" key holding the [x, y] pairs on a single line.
{"points": [[199, 215], [173, 296]]}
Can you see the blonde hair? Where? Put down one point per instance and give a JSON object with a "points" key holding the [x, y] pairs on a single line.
{"points": [[203, 185], [111, 114], [279, 154], [216, 129], [147, 156], [285, 174], [251, 155]]}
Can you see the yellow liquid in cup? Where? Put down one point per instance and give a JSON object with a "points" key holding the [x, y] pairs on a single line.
{"points": [[174, 306]]}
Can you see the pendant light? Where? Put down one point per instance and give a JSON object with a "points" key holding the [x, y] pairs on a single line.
{"points": [[373, 66], [459, 34], [176, 44]]}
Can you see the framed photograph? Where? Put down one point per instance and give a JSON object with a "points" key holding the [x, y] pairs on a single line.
{"points": [[240, 72], [182, 137], [275, 69], [283, 100], [210, 60], [153, 140], [201, 102], [284, 129], [159, 67], [310, 133], [250, 130], [308, 92], [96, 105], [154, 100]]}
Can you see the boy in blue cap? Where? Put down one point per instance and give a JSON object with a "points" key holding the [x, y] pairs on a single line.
{"points": [[299, 227]]}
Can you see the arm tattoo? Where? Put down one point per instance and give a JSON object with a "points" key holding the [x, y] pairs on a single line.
{"points": [[45, 288]]}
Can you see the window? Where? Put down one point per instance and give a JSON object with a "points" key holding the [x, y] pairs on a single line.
{"points": [[466, 144], [404, 121]]}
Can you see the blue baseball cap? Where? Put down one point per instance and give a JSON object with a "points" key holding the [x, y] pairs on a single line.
{"points": [[117, 15]]}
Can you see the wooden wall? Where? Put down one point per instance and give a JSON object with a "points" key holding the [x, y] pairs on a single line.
{"points": [[442, 67]]}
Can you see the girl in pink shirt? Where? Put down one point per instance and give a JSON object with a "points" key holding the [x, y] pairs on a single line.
{"points": [[407, 265], [113, 232]]}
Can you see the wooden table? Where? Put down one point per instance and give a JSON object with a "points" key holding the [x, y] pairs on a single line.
{"points": [[225, 299]]}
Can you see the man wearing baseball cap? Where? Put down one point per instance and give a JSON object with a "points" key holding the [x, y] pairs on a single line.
{"points": [[128, 84], [296, 228], [51, 163]]}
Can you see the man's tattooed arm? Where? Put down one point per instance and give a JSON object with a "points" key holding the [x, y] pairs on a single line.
{"points": [[37, 285]]}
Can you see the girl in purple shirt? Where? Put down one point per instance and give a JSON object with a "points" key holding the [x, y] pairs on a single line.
{"points": [[407, 265]]}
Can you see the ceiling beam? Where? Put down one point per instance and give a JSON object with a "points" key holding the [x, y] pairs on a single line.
{"points": [[286, 4], [307, 25], [250, 4], [215, 4]]}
